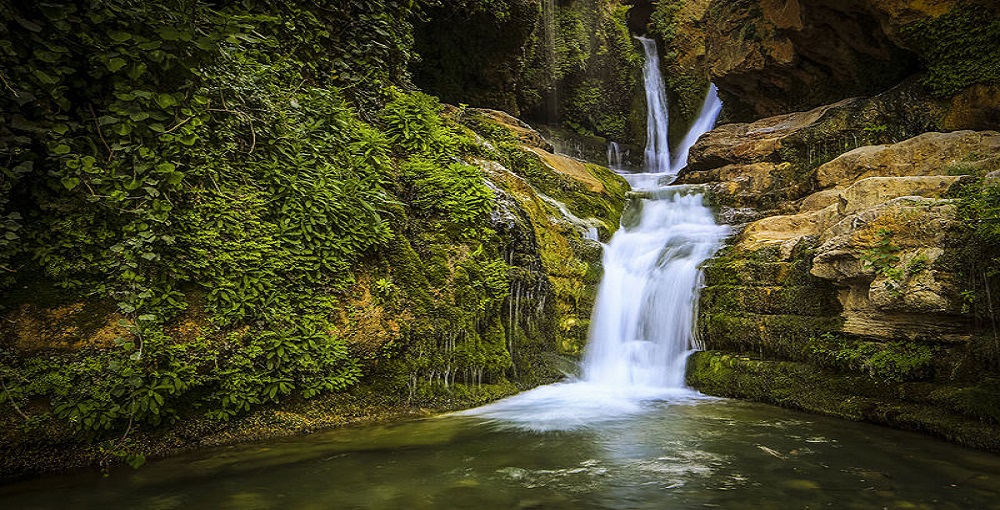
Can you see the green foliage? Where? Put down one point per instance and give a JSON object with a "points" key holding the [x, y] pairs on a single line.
{"points": [[895, 361], [455, 192], [189, 162], [977, 247], [881, 256], [664, 22], [959, 48], [413, 123]]}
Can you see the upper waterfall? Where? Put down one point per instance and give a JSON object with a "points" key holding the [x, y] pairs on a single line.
{"points": [[657, 157]]}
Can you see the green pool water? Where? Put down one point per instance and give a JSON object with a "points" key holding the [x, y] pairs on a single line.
{"points": [[673, 455]]}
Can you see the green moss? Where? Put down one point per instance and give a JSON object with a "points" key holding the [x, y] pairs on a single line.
{"points": [[958, 49], [972, 253], [894, 361], [798, 300], [856, 397], [582, 202]]}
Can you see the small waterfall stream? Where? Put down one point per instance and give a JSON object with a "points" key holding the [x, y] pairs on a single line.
{"points": [[643, 323]]}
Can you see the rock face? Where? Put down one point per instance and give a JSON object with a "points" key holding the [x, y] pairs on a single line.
{"points": [[849, 268], [926, 154], [770, 163], [775, 56], [770, 57], [876, 231]]}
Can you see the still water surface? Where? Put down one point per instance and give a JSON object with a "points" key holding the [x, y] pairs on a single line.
{"points": [[697, 453]]}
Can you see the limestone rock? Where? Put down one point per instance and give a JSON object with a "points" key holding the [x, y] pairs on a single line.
{"points": [[871, 192], [771, 57], [926, 154], [517, 127], [763, 140], [879, 228]]}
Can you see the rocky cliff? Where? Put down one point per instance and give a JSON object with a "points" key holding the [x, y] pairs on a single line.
{"points": [[862, 180], [850, 288], [776, 56], [569, 62]]}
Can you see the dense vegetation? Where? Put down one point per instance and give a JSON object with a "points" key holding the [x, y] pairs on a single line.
{"points": [[249, 208], [574, 64]]}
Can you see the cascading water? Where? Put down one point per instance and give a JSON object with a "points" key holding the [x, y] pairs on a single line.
{"points": [[644, 316], [657, 149], [710, 110], [643, 323]]}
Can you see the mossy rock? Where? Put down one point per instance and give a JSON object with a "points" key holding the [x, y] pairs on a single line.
{"points": [[949, 413]]}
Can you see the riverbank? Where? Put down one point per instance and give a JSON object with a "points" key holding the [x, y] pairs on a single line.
{"points": [[53, 449]]}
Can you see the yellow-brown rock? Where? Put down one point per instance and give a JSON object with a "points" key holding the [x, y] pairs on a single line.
{"points": [[926, 154]]}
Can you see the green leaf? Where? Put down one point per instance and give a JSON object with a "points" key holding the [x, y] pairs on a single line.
{"points": [[61, 149], [45, 78], [30, 25], [70, 182], [163, 168], [119, 37], [165, 100], [115, 64]]}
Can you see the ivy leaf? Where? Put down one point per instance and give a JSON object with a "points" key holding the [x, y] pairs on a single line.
{"points": [[30, 25], [164, 168], [119, 37], [45, 78], [165, 100], [70, 182], [115, 64], [61, 149]]}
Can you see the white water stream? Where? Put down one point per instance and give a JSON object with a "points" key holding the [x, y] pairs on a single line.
{"points": [[657, 149], [643, 323]]}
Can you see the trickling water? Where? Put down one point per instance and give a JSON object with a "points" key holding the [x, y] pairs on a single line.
{"points": [[588, 227], [549, 38], [657, 149], [615, 156]]}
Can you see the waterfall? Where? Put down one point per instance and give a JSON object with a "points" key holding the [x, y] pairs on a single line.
{"points": [[643, 323], [709, 112], [657, 150], [642, 328]]}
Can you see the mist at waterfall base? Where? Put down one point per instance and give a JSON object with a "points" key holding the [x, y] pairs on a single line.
{"points": [[643, 322]]}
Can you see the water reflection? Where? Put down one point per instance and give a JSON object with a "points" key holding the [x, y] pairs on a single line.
{"points": [[701, 454]]}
